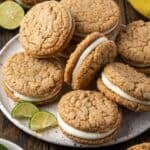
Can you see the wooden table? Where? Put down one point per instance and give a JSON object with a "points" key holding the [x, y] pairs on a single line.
{"points": [[10, 132]]}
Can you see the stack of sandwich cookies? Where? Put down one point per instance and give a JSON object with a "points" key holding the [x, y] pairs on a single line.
{"points": [[133, 45], [46, 29], [88, 117], [33, 80], [88, 58], [94, 16], [127, 87]]}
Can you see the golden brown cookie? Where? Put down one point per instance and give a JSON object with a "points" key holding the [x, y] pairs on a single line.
{"points": [[88, 117], [134, 45], [127, 87], [46, 29], [88, 58], [143, 146], [94, 16], [34, 80]]}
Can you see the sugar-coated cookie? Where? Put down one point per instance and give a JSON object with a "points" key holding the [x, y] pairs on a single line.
{"points": [[87, 59], [34, 80], [94, 16], [88, 117], [127, 87], [46, 29]]}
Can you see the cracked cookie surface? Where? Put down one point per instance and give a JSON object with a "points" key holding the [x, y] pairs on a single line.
{"points": [[103, 53], [93, 15], [33, 77], [134, 43], [89, 111], [46, 29]]}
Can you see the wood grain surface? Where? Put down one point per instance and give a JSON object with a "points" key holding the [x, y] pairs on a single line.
{"points": [[10, 132]]}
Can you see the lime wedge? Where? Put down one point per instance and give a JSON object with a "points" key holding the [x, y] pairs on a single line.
{"points": [[24, 110], [2, 147], [42, 120], [11, 15]]}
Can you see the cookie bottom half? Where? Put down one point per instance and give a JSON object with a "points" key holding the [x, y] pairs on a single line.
{"points": [[91, 142], [44, 102], [134, 106], [145, 70]]}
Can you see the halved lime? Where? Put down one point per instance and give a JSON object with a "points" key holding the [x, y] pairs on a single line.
{"points": [[42, 120], [11, 15], [24, 110], [2, 147]]}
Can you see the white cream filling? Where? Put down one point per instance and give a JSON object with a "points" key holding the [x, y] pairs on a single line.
{"points": [[87, 51], [26, 98], [82, 134], [120, 92]]}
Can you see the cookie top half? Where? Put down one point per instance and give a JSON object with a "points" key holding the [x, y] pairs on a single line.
{"points": [[46, 29], [93, 15], [89, 111], [134, 44], [129, 80], [33, 77], [87, 59]]}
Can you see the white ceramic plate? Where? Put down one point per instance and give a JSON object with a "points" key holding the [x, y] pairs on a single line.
{"points": [[133, 123], [9, 145]]}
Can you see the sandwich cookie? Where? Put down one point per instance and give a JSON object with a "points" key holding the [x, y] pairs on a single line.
{"points": [[88, 58], [134, 46], [143, 146], [33, 80], [127, 87], [94, 16], [88, 117], [46, 29]]}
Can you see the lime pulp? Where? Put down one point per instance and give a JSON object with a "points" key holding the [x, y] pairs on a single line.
{"points": [[24, 110], [42, 120]]}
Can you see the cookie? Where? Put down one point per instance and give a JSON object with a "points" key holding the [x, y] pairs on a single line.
{"points": [[133, 45], [143, 146], [88, 58], [124, 85], [94, 16], [34, 80], [88, 117], [46, 29]]}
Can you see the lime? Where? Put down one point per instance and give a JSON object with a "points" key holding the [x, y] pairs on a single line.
{"points": [[42, 120], [24, 110], [142, 6], [11, 15], [2, 147]]}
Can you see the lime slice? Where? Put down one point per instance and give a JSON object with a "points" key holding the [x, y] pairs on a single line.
{"points": [[2, 147], [11, 15], [24, 110], [42, 120]]}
